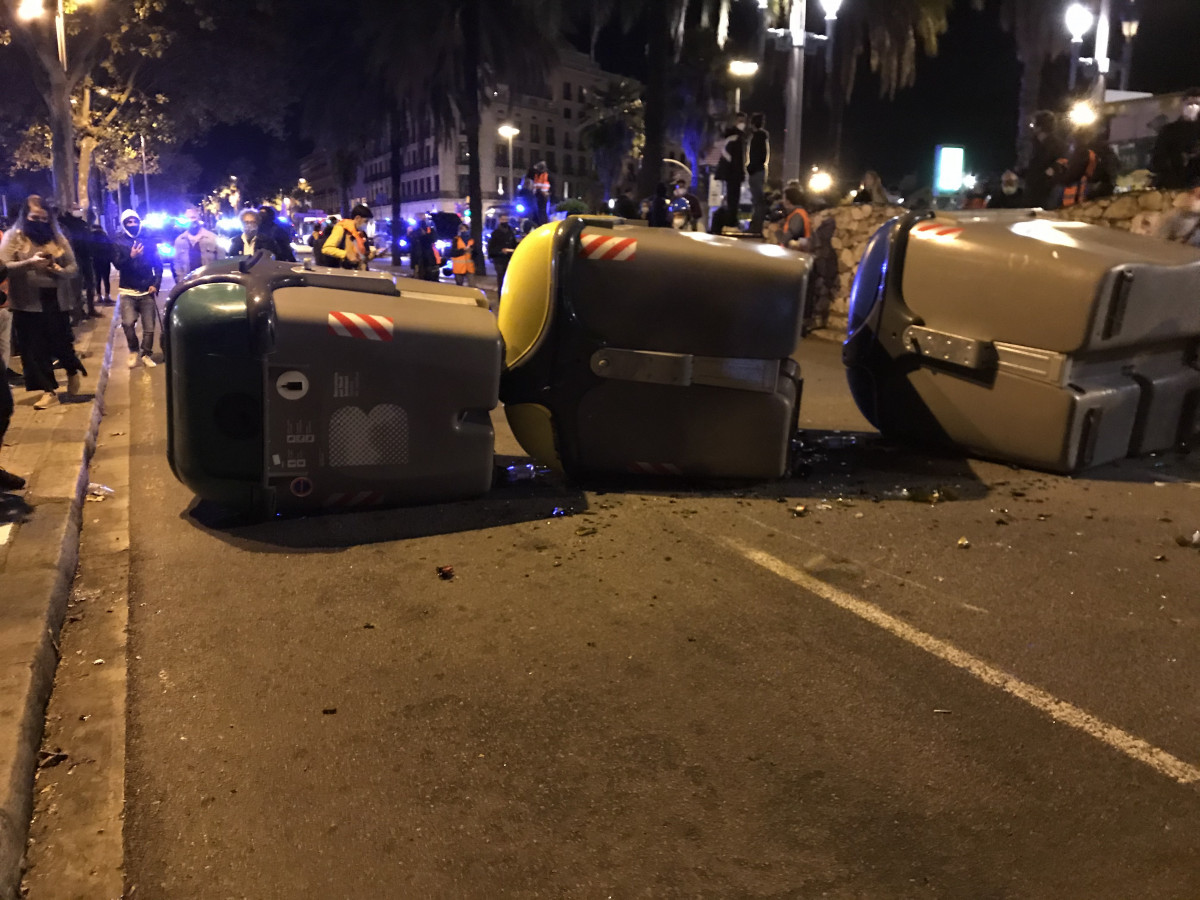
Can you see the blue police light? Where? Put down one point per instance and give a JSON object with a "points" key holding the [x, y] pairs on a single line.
{"points": [[229, 223], [411, 222], [521, 208], [182, 222], [403, 243], [283, 220], [155, 220], [165, 250], [442, 245]]}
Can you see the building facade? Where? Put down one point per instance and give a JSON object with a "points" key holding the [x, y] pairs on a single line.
{"points": [[434, 173]]}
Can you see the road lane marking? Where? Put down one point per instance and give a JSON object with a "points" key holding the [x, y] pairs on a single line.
{"points": [[5, 533], [1059, 710]]}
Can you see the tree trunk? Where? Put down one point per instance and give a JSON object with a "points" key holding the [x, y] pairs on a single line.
{"points": [[396, 175], [655, 97], [87, 145], [62, 138], [470, 113], [1031, 92]]}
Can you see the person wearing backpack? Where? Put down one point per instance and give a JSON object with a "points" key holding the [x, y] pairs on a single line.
{"points": [[345, 245]]}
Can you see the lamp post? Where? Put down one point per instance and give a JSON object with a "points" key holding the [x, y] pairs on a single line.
{"points": [[1079, 22], [741, 68], [510, 132], [797, 25], [1129, 29]]}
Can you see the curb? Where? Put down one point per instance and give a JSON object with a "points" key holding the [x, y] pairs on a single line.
{"points": [[40, 597]]}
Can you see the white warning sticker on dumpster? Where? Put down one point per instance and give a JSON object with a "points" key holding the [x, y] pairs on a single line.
{"points": [[606, 247], [361, 326]]}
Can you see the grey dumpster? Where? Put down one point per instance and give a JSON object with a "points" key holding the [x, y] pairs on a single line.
{"points": [[1023, 338], [298, 390], [652, 351]]}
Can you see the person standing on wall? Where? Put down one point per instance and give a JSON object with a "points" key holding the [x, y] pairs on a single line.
{"points": [[757, 160]]}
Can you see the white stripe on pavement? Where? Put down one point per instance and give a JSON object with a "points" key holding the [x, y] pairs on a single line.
{"points": [[1059, 710], [6, 531]]}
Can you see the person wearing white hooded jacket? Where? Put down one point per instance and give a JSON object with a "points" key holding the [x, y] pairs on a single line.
{"points": [[141, 273]]}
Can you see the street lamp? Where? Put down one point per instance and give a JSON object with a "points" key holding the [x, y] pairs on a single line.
{"points": [[819, 182], [797, 29], [1083, 114], [741, 68], [510, 132], [1129, 29], [1079, 22]]}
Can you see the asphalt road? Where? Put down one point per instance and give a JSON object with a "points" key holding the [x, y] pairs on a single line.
{"points": [[675, 691]]}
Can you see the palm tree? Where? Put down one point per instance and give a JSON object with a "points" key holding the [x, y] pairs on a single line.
{"points": [[444, 71], [1036, 27], [613, 131]]}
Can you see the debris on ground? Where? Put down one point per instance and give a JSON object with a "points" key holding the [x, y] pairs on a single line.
{"points": [[98, 492], [964, 544], [1184, 541], [329, 711], [48, 759], [799, 512], [586, 531], [524, 472], [445, 572]]}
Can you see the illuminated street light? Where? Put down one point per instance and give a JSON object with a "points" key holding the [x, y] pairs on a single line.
{"points": [[30, 9], [1080, 20], [969, 182], [510, 132], [741, 68], [831, 8], [820, 182], [1083, 114]]}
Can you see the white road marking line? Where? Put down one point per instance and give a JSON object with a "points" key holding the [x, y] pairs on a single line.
{"points": [[5, 533], [1059, 710]]}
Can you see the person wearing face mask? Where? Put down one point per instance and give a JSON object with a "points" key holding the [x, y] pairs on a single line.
{"points": [[1010, 195], [1183, 224], [41, 267], [346, 247], [195, 247], [141, 273], [250, 241], [1176, 155]]}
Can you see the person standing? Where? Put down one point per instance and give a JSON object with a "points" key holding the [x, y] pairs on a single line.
{"points": [[462, 257], [346, 245], [280, 236], [195, 247], [40, 268], [758, 157], [103, 257], [541, 193], [425, 257], [659, 214], [500, 247], [732, 167], [84, 284], [8, 481], [1043, 169], [1176, 155], [141, 273]]}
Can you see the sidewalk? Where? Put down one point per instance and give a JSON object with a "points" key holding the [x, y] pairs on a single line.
{"points": [[39, 546]]}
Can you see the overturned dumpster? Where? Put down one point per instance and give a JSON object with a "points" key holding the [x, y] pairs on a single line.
{"points": [[639, 350], [304, 390], [1050, 344]]}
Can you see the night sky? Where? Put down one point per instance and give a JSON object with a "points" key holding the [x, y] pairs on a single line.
{"points": [[966, 95]]}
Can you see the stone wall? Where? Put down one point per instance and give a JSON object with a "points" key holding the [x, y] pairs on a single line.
{"points": [[1136, 211]]}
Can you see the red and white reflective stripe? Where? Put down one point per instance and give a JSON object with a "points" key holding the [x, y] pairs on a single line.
{"points": [[607, 247], [362, 498], [646, 468], [937, 229], [360, 325]]}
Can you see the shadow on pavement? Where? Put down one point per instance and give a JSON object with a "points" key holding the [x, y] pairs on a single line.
{"points": [[508, 503], [13, 509]]}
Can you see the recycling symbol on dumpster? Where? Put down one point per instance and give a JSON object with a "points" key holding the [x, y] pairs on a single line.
{"points": [[302, 486]]}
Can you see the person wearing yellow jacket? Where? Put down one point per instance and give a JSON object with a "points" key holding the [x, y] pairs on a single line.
{"points": [[346, 247], [462, 258]]}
